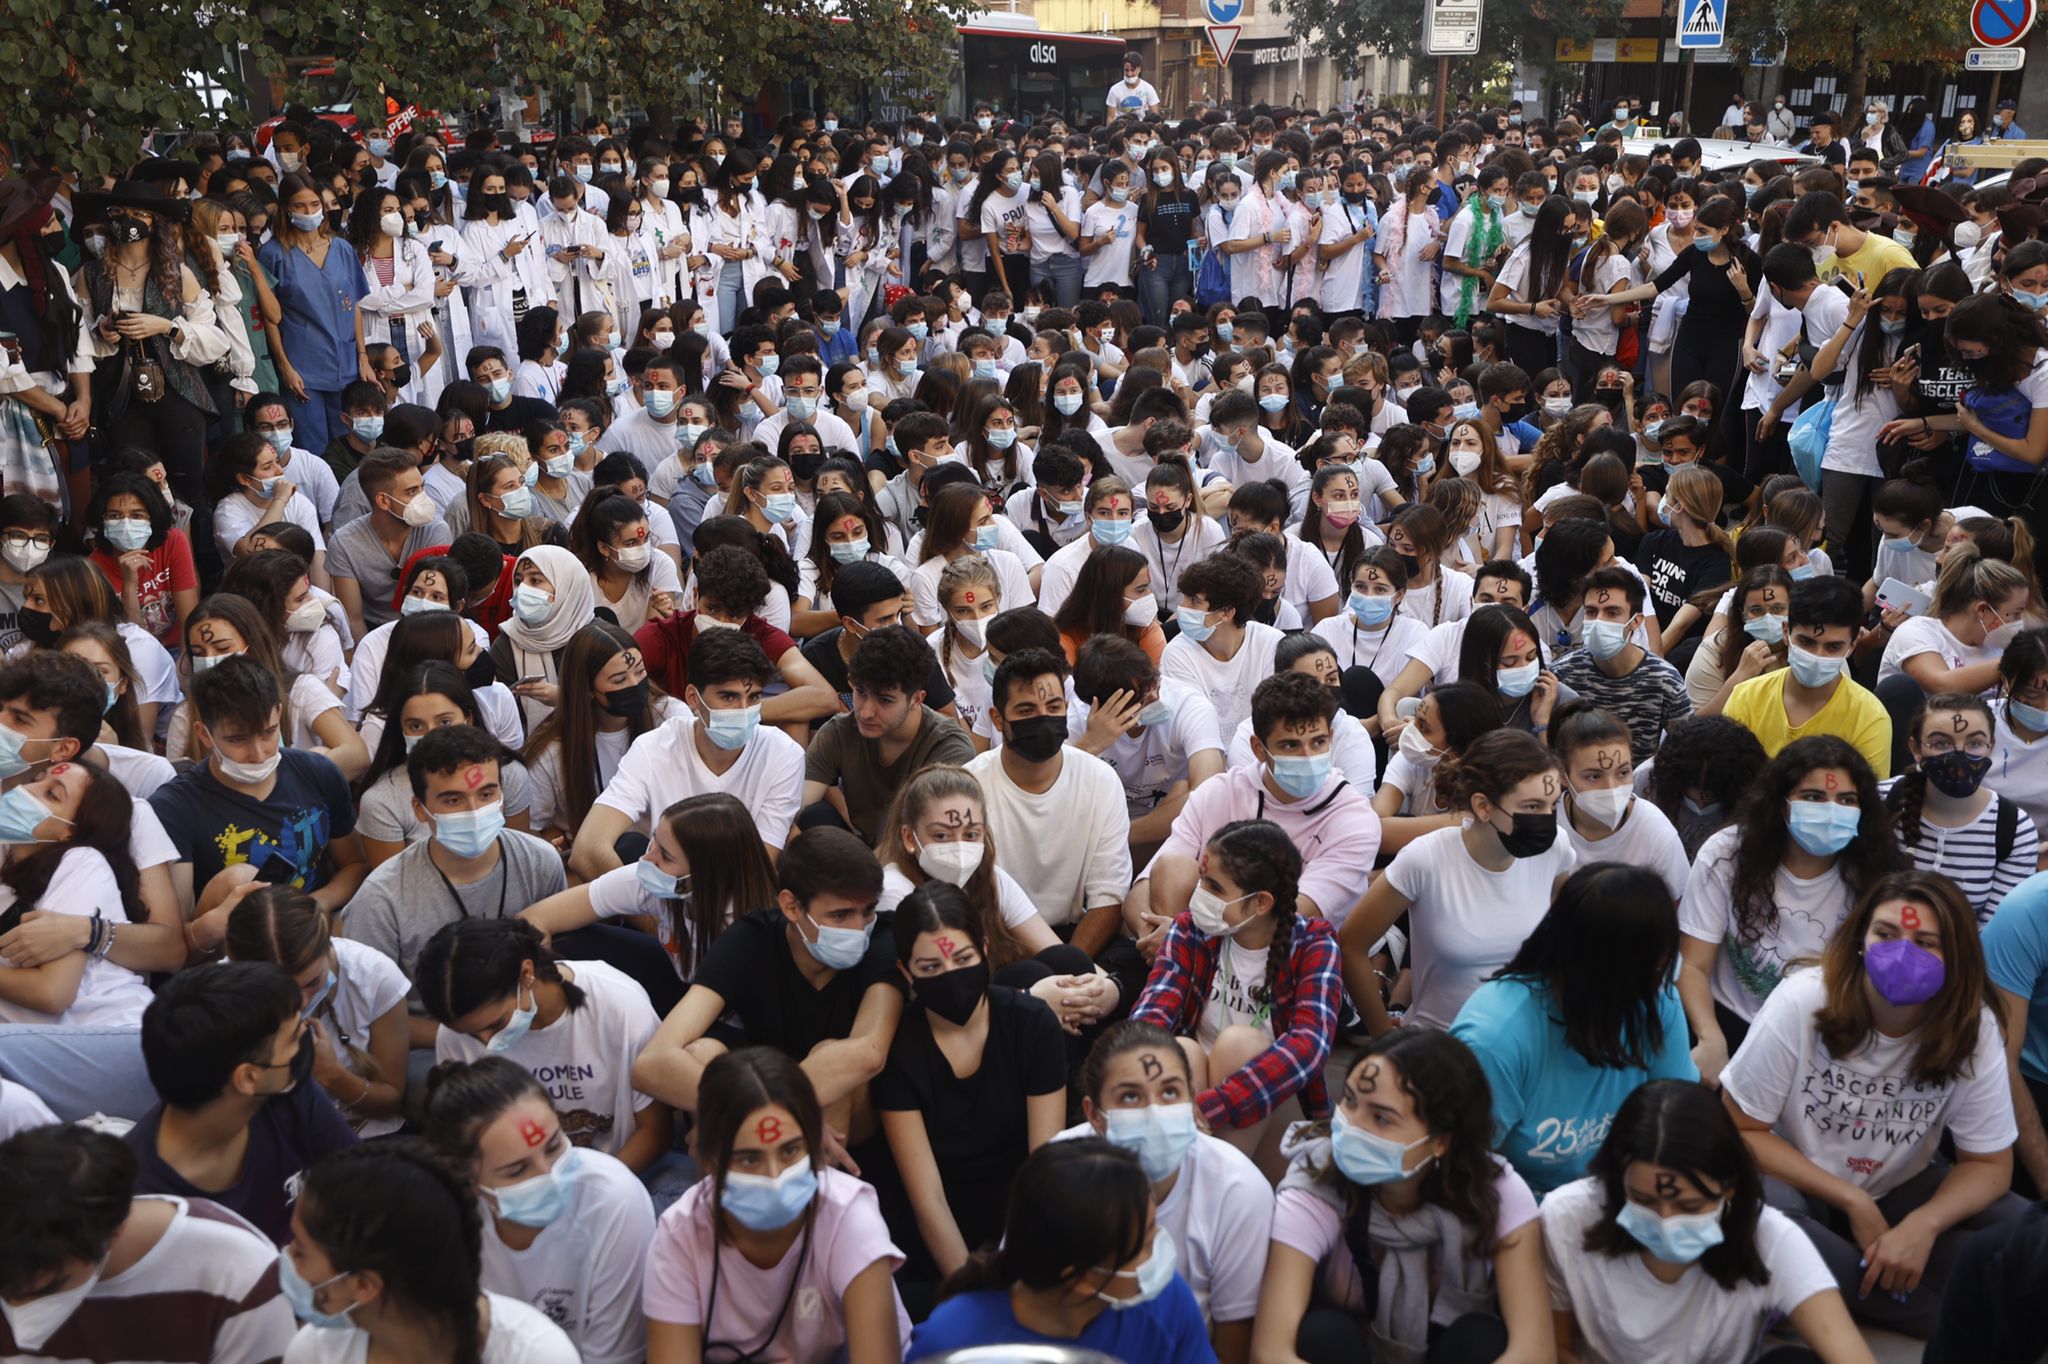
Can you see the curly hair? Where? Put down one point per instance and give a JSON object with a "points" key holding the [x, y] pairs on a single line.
{"points": [[1764, 837]]}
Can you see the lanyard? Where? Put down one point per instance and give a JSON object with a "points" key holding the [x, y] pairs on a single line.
{"points": [[462, 908], [740, 1356]]}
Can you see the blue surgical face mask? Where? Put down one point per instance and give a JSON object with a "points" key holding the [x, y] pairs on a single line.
{"points": [[1224, 330], [659, 402], [654, 880], [987, 537], [840, 948], [2033, 303], [531, 605], [1465, 412], [802, 409], [851, 552], [20, 814], [1767, 627], [326, 989], [1194, 623], [1516, 683], [500, 390], [1160, 1134], [124, 534], [1367, 1157], [539, 1201], [1371, 612], [731, 729], [1272, 402], [1811, 669], [1823, 828], [1110, 532], [779, 507], [919, 330], [467, 833], [1801, 572], [280, 439], [1002, 438], [437, 179], [1067, 403], [1301, 777], [2033, 717], [525, 1008], [1606, 638], [984, 369], [300, 1295], [762, 1204], [1675, 1240]]}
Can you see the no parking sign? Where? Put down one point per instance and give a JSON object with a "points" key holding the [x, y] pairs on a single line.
{"points": [[2001, 23]]}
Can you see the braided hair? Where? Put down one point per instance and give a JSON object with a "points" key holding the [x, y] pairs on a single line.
{"points": [[1257, 855], [1909, 792]]}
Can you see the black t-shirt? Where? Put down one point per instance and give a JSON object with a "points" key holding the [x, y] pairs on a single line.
{"points": [[822, 653], [752, 970], [977, 1125], [1735, 489], [517, 415], [284, 834], [1169, 221], [1678, 571], [287, 1134]]}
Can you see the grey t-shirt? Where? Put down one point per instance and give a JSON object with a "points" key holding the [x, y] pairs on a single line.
{"points": [[407, 900], [353, 551], [385, 812]]}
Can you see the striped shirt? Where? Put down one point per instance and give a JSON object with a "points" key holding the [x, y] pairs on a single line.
{"points": [[1650, 698], [206, 1291], [1969, 855]]}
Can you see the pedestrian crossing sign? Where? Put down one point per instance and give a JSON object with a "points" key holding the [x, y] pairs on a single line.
{"points": [[1702, 23]]}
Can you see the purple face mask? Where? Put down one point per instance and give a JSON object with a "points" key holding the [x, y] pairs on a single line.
{"points": [[1904, 973]]}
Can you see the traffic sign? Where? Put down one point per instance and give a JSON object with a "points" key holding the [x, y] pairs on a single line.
{"points": [[1995, 59], [1223, 40], [1223, 11], [1703, 23], [2001, 23], [1450, 28]]}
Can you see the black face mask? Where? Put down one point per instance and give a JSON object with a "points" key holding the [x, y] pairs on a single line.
{"points": [[50, 244], [955, 995], [123, 229], [401, 376], [1411, 562], [805, 464], [1533, 834], [1039, 738], [36, 627], [480, 673], [1167, 522], [626, 702], [500, 204], [1955, 773], [1519, 410]]}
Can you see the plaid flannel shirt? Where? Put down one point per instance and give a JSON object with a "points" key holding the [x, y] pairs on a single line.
{"points": [[1308, 996]]}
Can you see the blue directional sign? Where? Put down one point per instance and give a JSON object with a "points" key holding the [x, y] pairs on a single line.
{"points": [[1223, 11]]}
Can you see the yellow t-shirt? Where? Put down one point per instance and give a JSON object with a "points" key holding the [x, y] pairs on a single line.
{"points": [[1878, 257], [1852, 713]]}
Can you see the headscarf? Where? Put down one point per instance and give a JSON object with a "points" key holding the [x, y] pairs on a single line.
{"points": [[534, 646]]}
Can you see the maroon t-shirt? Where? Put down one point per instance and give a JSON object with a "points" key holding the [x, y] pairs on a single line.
{"points": [[665, 646]]}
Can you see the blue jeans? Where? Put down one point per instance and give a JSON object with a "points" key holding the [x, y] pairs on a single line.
{"points": [[79, 1071], [1160, 283], [732, 295], [1062, 275]]}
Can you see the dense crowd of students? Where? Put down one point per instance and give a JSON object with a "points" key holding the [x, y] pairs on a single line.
{"points": [[1269, 737]]}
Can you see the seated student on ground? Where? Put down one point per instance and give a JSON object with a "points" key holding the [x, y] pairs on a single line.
{"points": [[1848, 1080], [857, 761], [1815, 694], [472, 866], [493, 987], [1136, 1090], [865, 597], [1313, 656], [1564, 1035], [804, 976], [1294, 783], [716, 743], [1083, 1263], [607, 702], [1251, 988], [942, 836], [1616, 674], [422, 698], [90, 1261], [1163, 741], [1404, 1171], [1432, 738], [385, 1258], [566, 1227], [1604, 820], [1471, 894], [976, 1081], [255, 810], [1058, 814], [1667, 1254], [1220, 652], [1773, 887], [772, 1222], [1945, 815], [2019, 768], [704, 867], [352, 996], [237, 1122]]}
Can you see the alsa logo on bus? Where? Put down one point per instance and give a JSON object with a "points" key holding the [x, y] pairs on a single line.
{"points": [[1045, 54]]}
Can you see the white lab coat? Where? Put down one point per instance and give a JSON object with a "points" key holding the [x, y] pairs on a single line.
{"points": [[407, 302], [577, 282], [498, 279]]}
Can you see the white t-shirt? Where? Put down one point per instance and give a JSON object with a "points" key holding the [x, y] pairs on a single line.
{"points": [[1011, 901], [1309, 578], [519, 1335], [663, 766], [1056, 583], [1455, 590], [1439, 649], [234, 516], [2019, 769], [1927, 635], [1110, 263], [1645, 839], [1385, 651], [1746, 973], [1276, 464], [1863, 1118], [1344, 277], [1514, 277], [1466, 922], [1227, 683], [1236, 994], [1596, 331], [1013, 584], [1629, 1316], [367, 985], [1124, 97], [21, 1109], [1852, 430], [1151, 759], [366, 669], [1068, 848], [585, 1058], [109, 994], [583, 1270]]}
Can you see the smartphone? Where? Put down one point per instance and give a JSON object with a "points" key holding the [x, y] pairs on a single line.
{"points": [[532, 677], [276, 871], [1894, 595]]}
